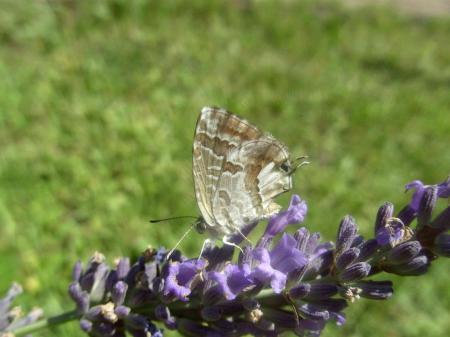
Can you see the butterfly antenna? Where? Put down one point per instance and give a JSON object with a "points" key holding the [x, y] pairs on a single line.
{"points": [[173, 218], [299, 162], [179, 241]]}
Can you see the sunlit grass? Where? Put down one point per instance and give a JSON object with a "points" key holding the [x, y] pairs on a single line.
{"points": [[98, 102]]}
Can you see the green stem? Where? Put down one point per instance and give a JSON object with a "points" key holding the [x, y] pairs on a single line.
{"points": [[46, 323]]}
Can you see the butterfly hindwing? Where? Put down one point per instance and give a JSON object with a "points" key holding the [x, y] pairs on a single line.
{"points": [[244, 196]]}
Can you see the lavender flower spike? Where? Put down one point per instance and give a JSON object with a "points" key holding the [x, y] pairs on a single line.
{"points": [[12, 318], [286, 283], [295, 214]]}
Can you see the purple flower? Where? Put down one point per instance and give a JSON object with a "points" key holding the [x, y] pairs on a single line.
{"points": [[232, 280], [275, 265], [179, 277], [295, 214], [443, 191], [394, 232]]}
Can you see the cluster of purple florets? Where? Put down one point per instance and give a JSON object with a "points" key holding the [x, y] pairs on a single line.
{"points": [[286, 282]]}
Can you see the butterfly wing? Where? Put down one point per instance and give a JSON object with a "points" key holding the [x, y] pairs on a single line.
{"points": [[217, 134], [253, 174]]}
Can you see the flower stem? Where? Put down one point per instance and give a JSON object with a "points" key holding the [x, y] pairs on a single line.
{"points": [[46, 323]]}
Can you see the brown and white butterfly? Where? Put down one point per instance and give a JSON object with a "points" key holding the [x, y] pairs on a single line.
{"points": [[238, 171]]}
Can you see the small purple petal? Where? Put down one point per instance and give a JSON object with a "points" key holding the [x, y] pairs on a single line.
{"points": [[180, 276], [418, 186], [285, 257], [295, 214], [231, 281], [393, 233]]}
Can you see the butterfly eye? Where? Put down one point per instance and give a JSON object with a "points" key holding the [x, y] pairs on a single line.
{"points": [[285, 167]]}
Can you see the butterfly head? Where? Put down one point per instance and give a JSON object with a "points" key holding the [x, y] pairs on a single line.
{"points": [[290, 168], [200, 225]]}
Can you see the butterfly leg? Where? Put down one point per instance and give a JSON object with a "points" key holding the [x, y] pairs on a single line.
{"points": [[206, 243], [243, 235], [226, 242]]}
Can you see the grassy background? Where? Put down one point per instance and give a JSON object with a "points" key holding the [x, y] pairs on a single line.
{"points": [[98, 102]]}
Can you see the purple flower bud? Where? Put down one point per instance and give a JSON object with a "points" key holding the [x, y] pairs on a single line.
{"points": [[85, 325], [442, 221], [385, 212], [308, 327], [404, 252], [103, 329], [137, 322], [318, 265], [302, 237], [355, 272], [80, 297], [123, 267], [122, 311], [162, 313], [300, 291], [94, 313], [293, 215], [76, 271], [426, 206], [417, 266], [218, 257], [321, 291], [346, 258], [367, 249], [194, 329], [314, 312], [118, 293], [407, 215], [282, 319], [212, 296], [346, 234], [442, 244], [375, 290], [211, 314]]}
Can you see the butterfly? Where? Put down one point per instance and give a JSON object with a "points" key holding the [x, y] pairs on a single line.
{"points": [[238, 170]]}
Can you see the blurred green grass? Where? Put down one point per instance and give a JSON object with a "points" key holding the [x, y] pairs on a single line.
{"points": [[98, 102]]}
